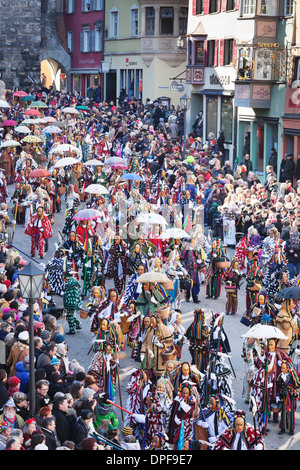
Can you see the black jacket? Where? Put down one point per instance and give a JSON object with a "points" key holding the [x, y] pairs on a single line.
{"points": [[63, 426]]}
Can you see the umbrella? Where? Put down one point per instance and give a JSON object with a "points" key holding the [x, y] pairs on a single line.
{"points": [[83, 108], [31, 139], [49, 119], [93, 162], [28, 122], [23, 130], [32, 112], [87, 214], [260, 331], [70, 110], [20, 94], [27, 98], [10, 143], [65, 148], [113, 160], [39, 173], [38, 104], [96, 189], [132, 176], [152, 276], [174, 233], [9, 123], [152, 218], [66, 162], [51, 130], [4, 104], [59, 124], [289, 293], [119, 166]]}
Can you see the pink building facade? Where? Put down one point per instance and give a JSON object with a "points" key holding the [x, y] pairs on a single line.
{"points": [[84, 26]]}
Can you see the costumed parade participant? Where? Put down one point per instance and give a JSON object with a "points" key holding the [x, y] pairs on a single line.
{"points": [[240, 436], [40, 230]]}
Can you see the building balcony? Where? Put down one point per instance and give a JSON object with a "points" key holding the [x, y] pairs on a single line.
{"points": [[252, 94], [195, 74]]}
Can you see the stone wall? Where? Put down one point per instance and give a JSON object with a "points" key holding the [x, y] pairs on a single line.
{"points": [[20, 39], [27, 36]]}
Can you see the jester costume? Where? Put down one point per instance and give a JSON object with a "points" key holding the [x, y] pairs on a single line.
{"points": [[40, 230], [214, 273], [72, 302], [264, 385], [116, 265], [198, 335], [149, 301], [92, 273]]}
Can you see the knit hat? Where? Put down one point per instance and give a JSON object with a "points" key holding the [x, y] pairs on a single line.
{"points": [[14, 381], [55, 361], [59, 339], [45, 334], [23, 336], [87, 393], [127, 431], [4, 425]]}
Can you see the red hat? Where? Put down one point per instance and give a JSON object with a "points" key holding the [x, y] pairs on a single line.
{"points": [[7, 283], [13, 381]]}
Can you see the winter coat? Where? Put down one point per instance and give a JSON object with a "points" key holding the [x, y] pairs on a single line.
{"points": [[79, 432], [17, 353], [23, 374]]}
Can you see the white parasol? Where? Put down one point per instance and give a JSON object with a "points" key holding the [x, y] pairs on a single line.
{"points": [[260, 331], [152, 276], [152, 218], [10, 143], [93, 162], [96, 189], [22, 130], [66, 162], [70, 110], [174, 233]]}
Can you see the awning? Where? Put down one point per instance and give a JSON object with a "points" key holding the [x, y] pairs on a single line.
{"points": [[213, 92]]}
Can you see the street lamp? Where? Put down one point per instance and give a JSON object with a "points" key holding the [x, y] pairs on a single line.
{"points": [[31, 280], [185, 103]]}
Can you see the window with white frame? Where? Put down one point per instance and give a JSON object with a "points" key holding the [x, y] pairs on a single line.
{"points": [[114, 23], [288, 7], [134, 21], [98, 5], [86, 5], [248, 8], [98, 38], [70, 6], [150, 21], [85, 39], [166, 20], [70, 41], [267, 7]]}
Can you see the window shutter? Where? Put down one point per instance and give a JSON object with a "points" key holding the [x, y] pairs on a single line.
{"points": [[221, 52], [224, 5], [194, 7], [216, 53], [81, 41], [205, 7], [92, 40], [234, 52], [82, 5], [73, 6], [219, 5], [205, 53]]}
